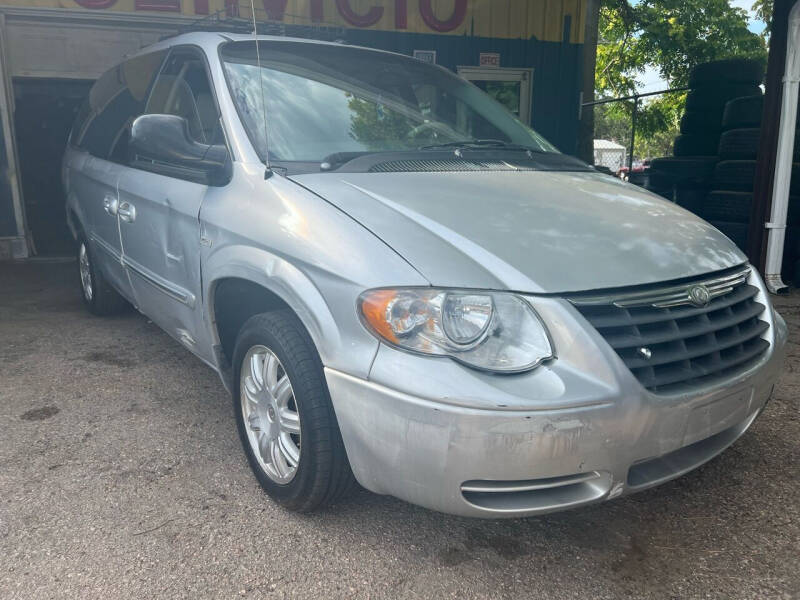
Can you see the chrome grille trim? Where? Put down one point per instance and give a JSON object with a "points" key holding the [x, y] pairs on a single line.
{"points": [[674, 295], [669, 345]]}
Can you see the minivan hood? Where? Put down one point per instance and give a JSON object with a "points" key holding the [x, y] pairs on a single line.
{"points": [[528, 231]]}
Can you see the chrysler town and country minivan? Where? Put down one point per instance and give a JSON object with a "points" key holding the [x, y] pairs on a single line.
{"points": [[404, 286]]}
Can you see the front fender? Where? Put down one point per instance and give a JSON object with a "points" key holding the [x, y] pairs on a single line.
{"points": [[295, 244], [286, 281]]}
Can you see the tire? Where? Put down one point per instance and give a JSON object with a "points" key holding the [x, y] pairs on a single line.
{"points": [[98, 296], [663, 191], [730, 207], [715, 97], [743, 113], [696, 144], [792, 272], [682, 171], [739, 175], [702, 122], [659, 182], [691, 199], [791, 246], [322, 475], [737, 232], [735, 175], [732, 70], [739, 144]]}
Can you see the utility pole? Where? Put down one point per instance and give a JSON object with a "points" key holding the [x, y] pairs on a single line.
{"points": [[586, 126]]}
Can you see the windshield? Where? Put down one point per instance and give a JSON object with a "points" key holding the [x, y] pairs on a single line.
{"points": [[324, 100]]}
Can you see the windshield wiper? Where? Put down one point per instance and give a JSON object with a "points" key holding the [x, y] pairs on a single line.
{"points": [[482, 143], [337, 159]]}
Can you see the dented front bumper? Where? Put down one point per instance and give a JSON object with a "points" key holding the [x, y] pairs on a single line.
{"points": [[578, 430]]}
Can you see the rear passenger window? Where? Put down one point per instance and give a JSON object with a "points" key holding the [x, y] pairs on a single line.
{"points": [[183, 89], [116, 99]]}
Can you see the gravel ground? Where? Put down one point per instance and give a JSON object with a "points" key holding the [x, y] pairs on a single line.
{"points": [[121, 476]]}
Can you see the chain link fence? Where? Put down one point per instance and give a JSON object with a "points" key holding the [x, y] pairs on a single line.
{"points": [[619, 147]]}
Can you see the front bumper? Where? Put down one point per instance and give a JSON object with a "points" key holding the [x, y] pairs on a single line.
{"points": [[576, 431]]}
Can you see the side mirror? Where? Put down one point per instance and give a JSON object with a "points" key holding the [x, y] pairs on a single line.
{"points": [[162, 143]]}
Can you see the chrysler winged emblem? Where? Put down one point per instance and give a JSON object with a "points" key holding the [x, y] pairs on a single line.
{"points": [[699, 295]]}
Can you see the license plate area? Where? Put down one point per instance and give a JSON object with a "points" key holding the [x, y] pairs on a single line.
{"points": [[717, 415]]}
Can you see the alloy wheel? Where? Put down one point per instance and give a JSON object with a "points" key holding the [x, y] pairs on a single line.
{"points": [[85, 271], [270, 415]]}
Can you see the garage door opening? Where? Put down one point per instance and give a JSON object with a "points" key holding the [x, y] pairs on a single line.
{"points": [[44, 110]]}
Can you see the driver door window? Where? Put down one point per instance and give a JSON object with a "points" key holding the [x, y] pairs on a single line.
{"points": [[183, 89]]}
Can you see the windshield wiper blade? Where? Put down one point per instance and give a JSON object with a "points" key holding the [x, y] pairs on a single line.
{"points": [[337, 159], [481, 143]]}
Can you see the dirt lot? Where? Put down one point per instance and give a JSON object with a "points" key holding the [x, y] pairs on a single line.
{"points": [[121, 476]]}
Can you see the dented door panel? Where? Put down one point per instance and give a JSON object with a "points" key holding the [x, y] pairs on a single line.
{"points": [[95, 187], [160, 234]]}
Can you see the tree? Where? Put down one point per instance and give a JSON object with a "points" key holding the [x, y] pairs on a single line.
{"points": [[376, 126], [763, 10], [671, 36]]}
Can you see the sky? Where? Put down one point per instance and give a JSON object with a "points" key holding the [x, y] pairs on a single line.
{"points": [[651, 81]]}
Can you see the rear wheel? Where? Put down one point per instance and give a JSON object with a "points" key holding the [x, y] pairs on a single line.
{"points": [[284, 414], [99, 297]]}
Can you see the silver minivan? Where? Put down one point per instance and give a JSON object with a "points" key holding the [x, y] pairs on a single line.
{"points": [[403, 286]]}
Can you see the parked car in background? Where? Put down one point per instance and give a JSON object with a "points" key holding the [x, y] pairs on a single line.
{"points": [[404, 286], [637, 174]]}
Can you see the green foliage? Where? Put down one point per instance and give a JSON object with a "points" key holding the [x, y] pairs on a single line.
{"points": [[763, 10], [657, 124], [679, 34], [376, 126], [619, 58], [671, 36]]}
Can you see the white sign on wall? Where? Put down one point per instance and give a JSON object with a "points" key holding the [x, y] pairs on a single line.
{"points": [[489, 59], [426, 56]]}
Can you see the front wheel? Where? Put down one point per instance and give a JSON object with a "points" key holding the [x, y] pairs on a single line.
{"points": [[284, 414]]}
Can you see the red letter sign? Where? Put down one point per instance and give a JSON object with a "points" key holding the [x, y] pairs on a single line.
{"points": [[96, 3], [456, 19], [317, 13], [401, 14], [275, 9], [159, 5], [373, 15]]}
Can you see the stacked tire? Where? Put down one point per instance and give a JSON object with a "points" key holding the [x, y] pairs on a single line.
{"points": [[728, 205], [687, 177], [712, 85]]}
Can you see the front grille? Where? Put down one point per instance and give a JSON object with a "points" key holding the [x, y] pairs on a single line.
{"points": [[668, 343]]}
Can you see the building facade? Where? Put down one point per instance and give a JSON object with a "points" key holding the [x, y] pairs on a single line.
{"points": [[527, 53]]}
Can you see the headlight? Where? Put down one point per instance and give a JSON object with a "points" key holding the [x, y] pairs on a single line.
{"points": [[487, 330]]}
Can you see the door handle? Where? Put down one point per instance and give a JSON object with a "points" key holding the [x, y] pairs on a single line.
{"points": [[111, 204], [127, 212]]}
